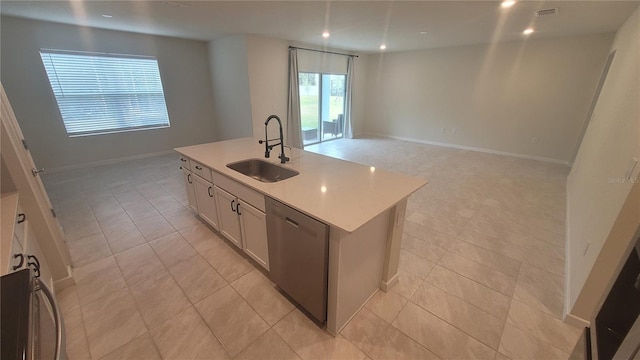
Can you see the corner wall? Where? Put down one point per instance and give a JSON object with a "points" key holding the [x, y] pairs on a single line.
{"points": [[599, 227], [230, 81], [529, 97], [185, 79], [268, 66]]}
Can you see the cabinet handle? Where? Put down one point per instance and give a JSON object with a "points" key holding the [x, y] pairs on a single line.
{"points": [[189, 179], [209, 192], [183, 159], [238, 209], [21, 257], [35, 172], [35, 264], [21, 218], [232, 209], [198, 167]]}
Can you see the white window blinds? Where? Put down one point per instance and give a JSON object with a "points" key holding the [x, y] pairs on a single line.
{"points": [[103, 93]]}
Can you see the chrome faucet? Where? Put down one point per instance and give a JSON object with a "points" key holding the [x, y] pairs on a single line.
{"points": [[267, 147]]}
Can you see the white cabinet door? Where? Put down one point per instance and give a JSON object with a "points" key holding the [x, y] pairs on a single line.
{"points": [[16, 256], [191, 194], [205, 197], [228, 217], [254, 233], [33, 256]]}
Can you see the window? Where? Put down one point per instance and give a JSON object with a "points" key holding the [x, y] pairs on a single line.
{"points": [[321, 106], [101, 93]]}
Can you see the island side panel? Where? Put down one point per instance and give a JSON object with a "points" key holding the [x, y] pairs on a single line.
{"points": [[394, 240], [356, 261]]}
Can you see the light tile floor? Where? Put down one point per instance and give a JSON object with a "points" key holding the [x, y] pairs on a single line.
{"points": [[481, 267]]}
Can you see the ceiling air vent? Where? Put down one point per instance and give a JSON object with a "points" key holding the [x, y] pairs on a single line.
{"points": [[547, 12]]}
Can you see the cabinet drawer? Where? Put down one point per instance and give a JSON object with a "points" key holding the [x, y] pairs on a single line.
{"points": [[245, 193], [184, 162], [200, 170]]}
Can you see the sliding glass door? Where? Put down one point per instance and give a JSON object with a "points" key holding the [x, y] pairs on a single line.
{"points": [[321, 106]]}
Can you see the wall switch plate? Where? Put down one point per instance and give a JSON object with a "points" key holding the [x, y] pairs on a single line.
{"points": [[454, 131], [535, 139]]}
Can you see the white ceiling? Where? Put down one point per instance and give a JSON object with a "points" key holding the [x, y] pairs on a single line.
{"points": [[354, 25]]}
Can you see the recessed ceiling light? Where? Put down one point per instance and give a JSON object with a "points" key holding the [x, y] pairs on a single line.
{"points": [[507, 3], [423, 33], [383, 46], [326, 34], [528, 31], [107, 16]]}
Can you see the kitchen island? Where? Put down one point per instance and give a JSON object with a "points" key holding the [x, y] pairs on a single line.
{"points": [[363, 206]]}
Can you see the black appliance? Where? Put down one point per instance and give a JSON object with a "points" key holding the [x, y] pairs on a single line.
{"points": [[31, 326]]}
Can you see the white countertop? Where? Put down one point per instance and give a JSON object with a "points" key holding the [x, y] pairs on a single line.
{"points": [[353, 193]]}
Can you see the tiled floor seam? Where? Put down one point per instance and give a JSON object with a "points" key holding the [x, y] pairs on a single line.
{"points": [[479, 283], [84, 330], [462, 330], [207, 324], [489, 250]]}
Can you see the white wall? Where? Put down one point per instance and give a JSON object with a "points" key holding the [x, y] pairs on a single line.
{"points": [[185, 77], [497, 97], [594, 202], [256, 69], [268, 61], [230, 80]]}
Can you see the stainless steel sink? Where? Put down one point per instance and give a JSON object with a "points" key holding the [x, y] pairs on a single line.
{"points": [[262, 170]]}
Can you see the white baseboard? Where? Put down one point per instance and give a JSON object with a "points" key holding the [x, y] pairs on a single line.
{"points": [[65, 282], [387, 285], [107, 162], [576, 321], [471, 148]]}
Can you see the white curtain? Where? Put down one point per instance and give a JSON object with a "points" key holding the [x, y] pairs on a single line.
{"points": [[294, 129], [348, 129]]}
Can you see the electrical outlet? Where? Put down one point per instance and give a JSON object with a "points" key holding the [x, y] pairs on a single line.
{"points": [[454, 131], [443, 130], [535, 139]]}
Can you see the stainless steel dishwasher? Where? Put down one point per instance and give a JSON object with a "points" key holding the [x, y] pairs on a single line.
{"points": [[298, 256]]}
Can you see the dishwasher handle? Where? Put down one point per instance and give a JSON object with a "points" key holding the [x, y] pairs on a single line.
{"points": [[292, 222], [60, 333]]}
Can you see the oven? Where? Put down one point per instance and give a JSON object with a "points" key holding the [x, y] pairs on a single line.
{"points": [[32, 327]]}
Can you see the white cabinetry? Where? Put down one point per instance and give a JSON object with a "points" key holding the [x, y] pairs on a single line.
{"points": [[253, 224], [191, 192], [229, 221], [242, 217], [235, 210], [205, 198], [24, 251]]}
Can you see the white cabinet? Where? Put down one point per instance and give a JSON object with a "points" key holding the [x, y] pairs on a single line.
{"points": [[24, 251], [191, 192], [34, 259], [227, 211], [244, 225], [235, 210], [253, 224], [206, 201]]}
